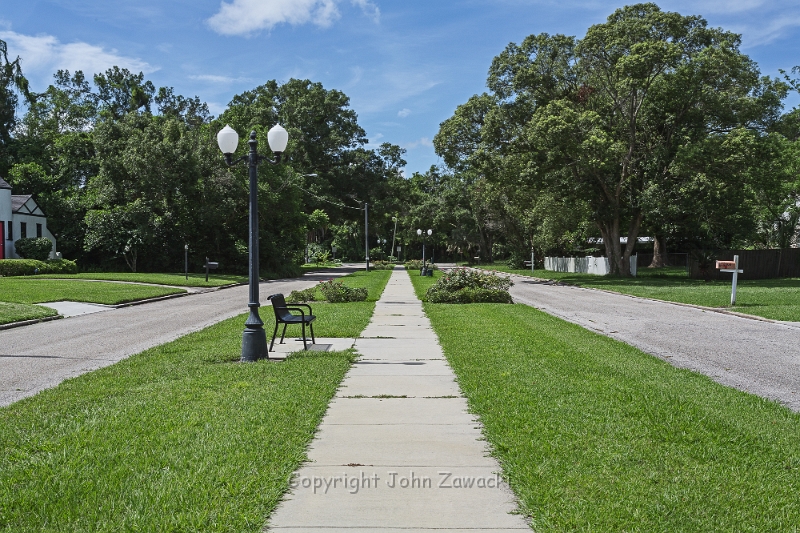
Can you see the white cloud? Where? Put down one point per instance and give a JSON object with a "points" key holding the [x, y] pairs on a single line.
{"points": [[369, 9], [403, 113], [213, 78], [423, 141], [243, 17], [46, 54]]}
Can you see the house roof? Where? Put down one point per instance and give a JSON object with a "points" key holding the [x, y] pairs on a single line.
{"points": [[4, 184], [18, 200]]}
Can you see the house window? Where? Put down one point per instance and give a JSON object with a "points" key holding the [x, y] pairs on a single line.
{"points": [[38, 230], [23, 230], [10, 231]]}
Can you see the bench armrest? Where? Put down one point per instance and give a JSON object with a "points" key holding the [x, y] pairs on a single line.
{"points": [[310, 312], [302, 313]]}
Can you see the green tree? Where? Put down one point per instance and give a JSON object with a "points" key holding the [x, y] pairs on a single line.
{"points": [[603, 120], [12, 83]]}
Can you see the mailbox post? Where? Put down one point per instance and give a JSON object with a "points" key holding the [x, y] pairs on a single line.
{"points": [[210, 265], [731, 266]]}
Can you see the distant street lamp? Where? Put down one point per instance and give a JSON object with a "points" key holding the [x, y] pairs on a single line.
{"points": [[366, 233], [254, 338], [394, 233], [424, 235]]}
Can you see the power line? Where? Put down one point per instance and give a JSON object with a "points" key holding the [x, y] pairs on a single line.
{"points": [[325, 199]]}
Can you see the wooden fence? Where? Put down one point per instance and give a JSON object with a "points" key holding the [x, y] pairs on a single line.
{"points": [[757, 264], [676, 260]]}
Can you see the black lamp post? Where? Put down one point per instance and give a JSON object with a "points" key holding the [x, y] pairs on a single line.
{"points": [[424, 235], [254, 338]]}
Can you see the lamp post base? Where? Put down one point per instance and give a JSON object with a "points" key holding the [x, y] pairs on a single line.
{"points": [[254, 345]]}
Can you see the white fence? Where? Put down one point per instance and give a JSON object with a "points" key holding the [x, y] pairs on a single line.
{"points": [[583, 265]]}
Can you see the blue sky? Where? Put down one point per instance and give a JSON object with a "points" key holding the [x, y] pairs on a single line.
{"points": [[405, 65]]}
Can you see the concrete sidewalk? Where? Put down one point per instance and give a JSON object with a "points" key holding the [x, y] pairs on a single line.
{"points": [[397, 448]]}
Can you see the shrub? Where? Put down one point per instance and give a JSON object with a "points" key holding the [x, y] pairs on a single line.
{"points": [[338, 292], [38, 248], [306, 295], [382, 265], [469, 286], [416, 264], [29, 267]]}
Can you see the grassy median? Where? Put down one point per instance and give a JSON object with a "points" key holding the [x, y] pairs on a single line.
{"points": [[14, 312], [17, 294], [342, 319], [777, 299], [594, 435], [194, 280], [181, 437]]}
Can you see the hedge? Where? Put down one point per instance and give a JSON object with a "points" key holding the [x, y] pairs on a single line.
{"points": [[29, 267]]}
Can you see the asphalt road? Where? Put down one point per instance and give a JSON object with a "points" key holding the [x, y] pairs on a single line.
{"points": [[40, 356], [759, 357]]}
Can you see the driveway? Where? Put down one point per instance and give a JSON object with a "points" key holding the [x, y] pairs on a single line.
{"points": [[757, 356], [40, 356]]}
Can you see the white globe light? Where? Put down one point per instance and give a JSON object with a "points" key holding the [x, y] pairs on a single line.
{"points": [[228, 140], [278, 138], [419, 232], [429, 232]]}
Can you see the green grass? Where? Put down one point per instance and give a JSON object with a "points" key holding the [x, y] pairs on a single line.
{"points": [[595, 435], [33, 290], [18, 293], [345, 320], [776, 299], [178, 438], [195, 280], [13, 312]]}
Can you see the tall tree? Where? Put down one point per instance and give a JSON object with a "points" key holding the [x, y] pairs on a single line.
{"points": [[12, 83], [604, 119]]}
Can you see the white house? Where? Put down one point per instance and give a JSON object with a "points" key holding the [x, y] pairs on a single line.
{"points": [[20, 217]]}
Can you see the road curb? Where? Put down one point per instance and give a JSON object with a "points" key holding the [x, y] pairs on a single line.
{"points": [[29, 322]]}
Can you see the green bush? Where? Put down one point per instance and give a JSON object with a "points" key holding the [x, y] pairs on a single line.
{"points": [[29, 267], [338, 292], [38, 248], [470, 296], [381, 265], [416, 264], [306, 295], [462, 285]]}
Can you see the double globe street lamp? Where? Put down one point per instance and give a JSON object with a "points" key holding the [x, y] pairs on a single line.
{"points": [[254, 338], [424, 235]]}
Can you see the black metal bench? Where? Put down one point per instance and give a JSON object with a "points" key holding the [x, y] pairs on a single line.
{"points": [[283, 315]]}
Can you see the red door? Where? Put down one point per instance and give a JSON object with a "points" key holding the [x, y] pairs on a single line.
{"points": [[2, 240]]}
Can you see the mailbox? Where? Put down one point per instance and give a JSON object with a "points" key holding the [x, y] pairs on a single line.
{"points": [[726, 264], [210, 265]]}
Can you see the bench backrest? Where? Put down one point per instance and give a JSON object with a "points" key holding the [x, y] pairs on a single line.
{"points": [[279, 306]]}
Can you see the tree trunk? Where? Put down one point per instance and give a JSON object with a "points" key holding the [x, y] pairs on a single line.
{"points": [[619, 260], [660, 258]]}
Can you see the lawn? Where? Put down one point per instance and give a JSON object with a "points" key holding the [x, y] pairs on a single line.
{"points": [[595, 435], [181, 437], [776, 299], [195, 280], [13, 312], [18, 293], [32, 290]]}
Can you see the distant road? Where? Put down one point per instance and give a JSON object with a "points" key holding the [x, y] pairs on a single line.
{"points": [[756, 356], [40, 356]]}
